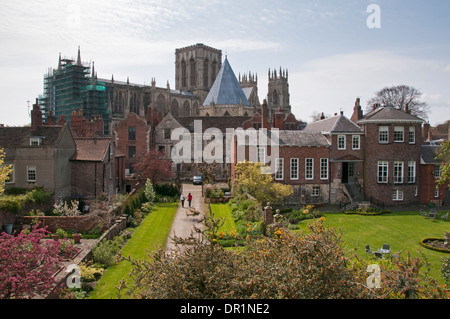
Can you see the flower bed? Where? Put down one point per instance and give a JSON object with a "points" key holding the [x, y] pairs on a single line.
{"points": [[436, 244]]}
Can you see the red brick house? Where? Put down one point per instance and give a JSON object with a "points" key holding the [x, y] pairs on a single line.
{"points": [[393, 141]]}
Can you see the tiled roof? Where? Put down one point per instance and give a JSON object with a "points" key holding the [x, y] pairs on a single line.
{"points": [[226, 89], [291, 138], [91, 148], [20, 136], [389, 114], [335, 124]]}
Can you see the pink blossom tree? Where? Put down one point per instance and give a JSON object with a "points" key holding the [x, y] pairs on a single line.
{"points": [[27, 263]]}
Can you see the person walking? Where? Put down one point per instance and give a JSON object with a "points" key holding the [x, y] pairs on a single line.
{"points": [[189, 198], [182, 198]]}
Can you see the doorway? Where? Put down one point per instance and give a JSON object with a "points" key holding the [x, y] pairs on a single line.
{"points": [[348, 173]]}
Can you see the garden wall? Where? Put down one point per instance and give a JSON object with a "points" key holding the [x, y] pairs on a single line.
{"points": [[78, 223]]}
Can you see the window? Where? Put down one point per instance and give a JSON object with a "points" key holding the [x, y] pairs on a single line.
{"points": [[324, 168], [309, 168], [167, 133], [399, 133], [383, 172], [131, 151], [398, 172], [315, 191], [35, 141], [355, 142], [383, 134], [412, 135], [132, 133], [261, 155], [279, 169], [31, 173], [397, 195], [11, 176], [341, 142], [411, 172], [437, 171], [294, 168]]}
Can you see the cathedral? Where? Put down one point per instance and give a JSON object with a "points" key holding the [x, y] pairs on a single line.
{"points": [[204, 86]]}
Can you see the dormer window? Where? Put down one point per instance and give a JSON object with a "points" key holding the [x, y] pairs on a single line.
{"points": [[35, 141]]}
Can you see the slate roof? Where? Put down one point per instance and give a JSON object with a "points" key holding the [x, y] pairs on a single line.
{"points": [[295, 138], [429, 153], [389, 114], [220, 122], [91, 148], [226, 89], [335, 124], [20, 136]]}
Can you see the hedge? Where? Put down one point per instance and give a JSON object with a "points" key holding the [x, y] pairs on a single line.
{"points": [[424, 244]]}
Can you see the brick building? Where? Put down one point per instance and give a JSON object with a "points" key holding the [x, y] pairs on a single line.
{"points": [[430, 172]]}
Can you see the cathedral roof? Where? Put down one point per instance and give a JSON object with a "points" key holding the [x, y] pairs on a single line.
{"points": [[226, 89]]}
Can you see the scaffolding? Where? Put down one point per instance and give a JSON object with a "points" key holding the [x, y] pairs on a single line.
{"points": [[70, 88]]}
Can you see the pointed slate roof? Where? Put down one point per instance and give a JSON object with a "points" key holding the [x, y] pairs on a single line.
{"points": [[226, 89]]}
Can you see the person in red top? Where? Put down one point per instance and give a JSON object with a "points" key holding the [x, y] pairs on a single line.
{"points": [[189, 198]]}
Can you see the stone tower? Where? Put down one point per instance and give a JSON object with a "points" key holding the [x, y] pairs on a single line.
{"points": [[278, 91], [196, 68]]}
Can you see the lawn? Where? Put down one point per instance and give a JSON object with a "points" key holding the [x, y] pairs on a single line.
{"points": [[224, 211], [151, 234], [401, 230]]}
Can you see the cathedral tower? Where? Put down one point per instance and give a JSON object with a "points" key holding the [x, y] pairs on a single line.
{"points": [[196, 68], [278, 91]]}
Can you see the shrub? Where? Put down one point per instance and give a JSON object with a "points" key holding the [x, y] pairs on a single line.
{"points": [[105, 252], [167, 189]]}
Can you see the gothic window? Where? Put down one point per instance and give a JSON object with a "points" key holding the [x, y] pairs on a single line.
{"points": [[213, 71], [174, 108], [186, 109], [205, 73], [275, 98], [161, 104], [193, 72], [183, 74]]}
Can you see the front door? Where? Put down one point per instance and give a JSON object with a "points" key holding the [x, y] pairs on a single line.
{"points": [[348, 173]]}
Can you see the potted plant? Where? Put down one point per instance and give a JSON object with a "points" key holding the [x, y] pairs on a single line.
{"points": [[76, 238], [213, 196]]}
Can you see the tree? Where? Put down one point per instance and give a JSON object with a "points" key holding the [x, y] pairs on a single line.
{"points": [[249, 179], [27, 263], [5, 170], [400, 96], [154, 167], [444, 156]]}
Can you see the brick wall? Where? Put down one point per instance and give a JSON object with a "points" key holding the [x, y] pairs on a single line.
{"points": [[79, 223], [391, 152]]}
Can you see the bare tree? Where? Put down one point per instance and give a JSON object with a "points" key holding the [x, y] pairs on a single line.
{"points": [[401, 97]]}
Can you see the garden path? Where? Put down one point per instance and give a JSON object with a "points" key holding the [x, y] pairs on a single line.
{"points": [[182, 224]]}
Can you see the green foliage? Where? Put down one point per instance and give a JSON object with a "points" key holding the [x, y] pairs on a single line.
{"points": [[149, 191], [105, 252], [446, 270], [167, 190], [444, 157], [13, 200]]}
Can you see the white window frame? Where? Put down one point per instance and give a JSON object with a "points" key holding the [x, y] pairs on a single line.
{"points": [[398, 172], [35, 141], [411, 172], [399, 134], [294, 168], [356, 142], [437, 171], [383, 131], [31, 169], [324, 168], [412, 135], [309, 168], [279, 169], [384, 177], [315, 191], [397, 195], [343, 139]]}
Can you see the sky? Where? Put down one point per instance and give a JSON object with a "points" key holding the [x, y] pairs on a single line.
{"points": [[334, 50]]}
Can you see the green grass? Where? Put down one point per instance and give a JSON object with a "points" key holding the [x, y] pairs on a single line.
{"points": [[401, 230], [224, 211], [151, 234]]}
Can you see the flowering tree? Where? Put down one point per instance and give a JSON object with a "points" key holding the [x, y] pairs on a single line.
{"points": [[5, 170], [154, 167], [27, 263]]}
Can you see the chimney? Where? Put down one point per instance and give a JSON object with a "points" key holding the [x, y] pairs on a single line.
{"points": [[36, 116], [407, 108], [357, 111], [264, 111], [425, 131]]}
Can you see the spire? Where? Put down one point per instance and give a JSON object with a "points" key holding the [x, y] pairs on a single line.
{"points": [[59, 62], [79, 57]]}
